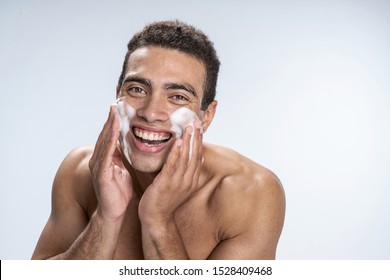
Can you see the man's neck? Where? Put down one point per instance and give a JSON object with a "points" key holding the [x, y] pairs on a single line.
{"points": [[141, 180]]}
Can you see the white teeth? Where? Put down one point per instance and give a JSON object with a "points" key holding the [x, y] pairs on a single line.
{"points": [[150, 136]]}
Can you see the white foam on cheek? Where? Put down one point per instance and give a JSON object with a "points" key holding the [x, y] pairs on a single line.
{"points": [[126, 113], [181, 118]]}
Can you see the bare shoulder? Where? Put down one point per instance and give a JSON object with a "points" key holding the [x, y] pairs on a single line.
{"points": [[249, 196], [240, 173], [73, 180], [76, 162], [76, 159]]}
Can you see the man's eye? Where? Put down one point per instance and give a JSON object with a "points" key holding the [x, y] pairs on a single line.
{"points": [[180, 98], [135, 91]]}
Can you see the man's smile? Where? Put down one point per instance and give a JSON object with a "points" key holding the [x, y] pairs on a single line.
{"points": [[149, 138]]}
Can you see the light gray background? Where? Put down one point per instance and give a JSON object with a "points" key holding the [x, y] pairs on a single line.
{"points": [[303, 89]]}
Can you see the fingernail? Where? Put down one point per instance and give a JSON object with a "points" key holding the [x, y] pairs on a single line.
{"points": [[189, 129], [197, 124]]}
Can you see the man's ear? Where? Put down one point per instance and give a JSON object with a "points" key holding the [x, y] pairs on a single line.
{"points": [[208, 115]]}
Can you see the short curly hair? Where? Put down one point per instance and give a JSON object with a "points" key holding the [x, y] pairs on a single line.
{"points": [[185, 38]]}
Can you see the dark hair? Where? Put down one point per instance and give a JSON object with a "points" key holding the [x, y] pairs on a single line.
{"points": [[182, 37]]}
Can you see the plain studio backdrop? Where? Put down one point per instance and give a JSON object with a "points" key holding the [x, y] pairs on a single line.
{"points": [[304, 90]]}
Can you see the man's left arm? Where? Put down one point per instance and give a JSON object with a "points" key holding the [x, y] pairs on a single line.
{"points": [[255, 232]]}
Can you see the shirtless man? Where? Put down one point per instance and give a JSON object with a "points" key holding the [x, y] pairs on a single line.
{"points": [[163, 197]]}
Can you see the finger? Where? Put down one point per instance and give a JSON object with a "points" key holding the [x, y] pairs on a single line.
{"points": [[195, 165], [196, 153], [101, 139], [185, 151], [107, 157], [171, 164], [96, 162]]}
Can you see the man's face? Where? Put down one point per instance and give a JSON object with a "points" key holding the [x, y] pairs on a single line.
{"points": [[157, 82]]}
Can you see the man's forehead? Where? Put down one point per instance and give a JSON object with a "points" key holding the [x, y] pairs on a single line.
{"points": [[161, 53], [174, 64], [139, 53]]}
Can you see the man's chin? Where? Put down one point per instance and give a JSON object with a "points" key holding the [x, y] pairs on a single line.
{"points": [[146, 167]]}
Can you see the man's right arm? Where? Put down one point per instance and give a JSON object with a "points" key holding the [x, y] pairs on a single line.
{"points": [[69, 234]]}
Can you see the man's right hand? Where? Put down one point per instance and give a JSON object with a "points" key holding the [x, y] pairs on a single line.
{"points": [[111, 180]]}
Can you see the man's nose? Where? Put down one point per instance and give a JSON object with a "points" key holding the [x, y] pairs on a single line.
{"points": [[153, 109]]}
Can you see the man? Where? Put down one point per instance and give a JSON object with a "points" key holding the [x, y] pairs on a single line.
{"points": [[163, 197]]}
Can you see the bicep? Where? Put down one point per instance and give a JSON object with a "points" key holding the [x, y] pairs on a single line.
{"points": [[245, 247]]}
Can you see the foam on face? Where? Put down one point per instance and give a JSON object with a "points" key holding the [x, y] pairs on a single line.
{"points": [[181, 118], [126, 113]]}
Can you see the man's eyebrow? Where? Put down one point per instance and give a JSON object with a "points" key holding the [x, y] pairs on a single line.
{"points": [[137, 79], [185, 87]]}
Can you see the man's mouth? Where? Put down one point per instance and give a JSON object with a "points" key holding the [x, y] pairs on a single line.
{"points": [[151, 138]]}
